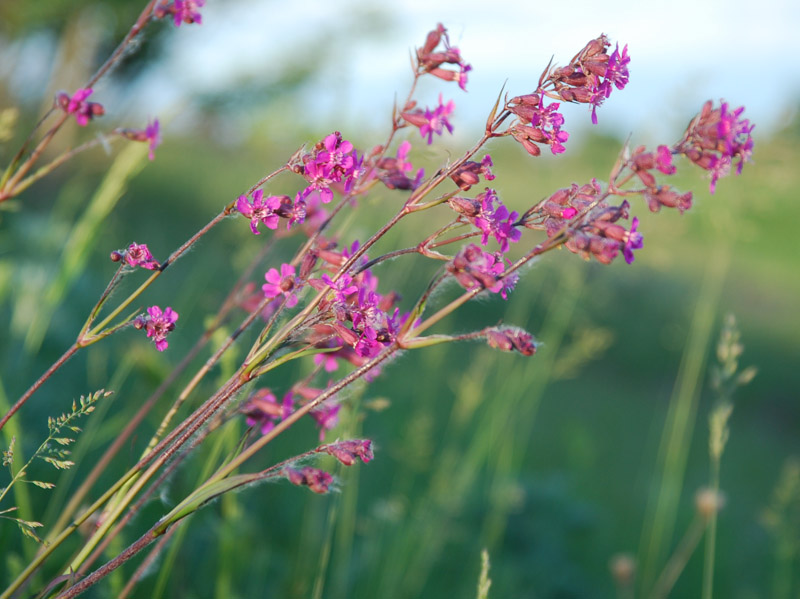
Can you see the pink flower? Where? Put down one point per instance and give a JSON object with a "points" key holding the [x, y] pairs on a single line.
{"points": [[326, 417], [139, 255], [282, 282], [76, 104], [334, 161], [715, 138], [633, 241], [264, 411], [158, 325], [260, 209], [664, 160], [431, 121], [327, 361], [437, 120], [472, 267], [496, 221], [153, 136]]}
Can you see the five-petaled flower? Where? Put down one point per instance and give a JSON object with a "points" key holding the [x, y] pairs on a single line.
{"points": [[158, 325], [282, 282], [431, 121], [137, 254], [260, 209]]}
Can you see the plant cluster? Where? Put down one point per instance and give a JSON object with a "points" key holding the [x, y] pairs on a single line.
{"points": [[328, 304]]}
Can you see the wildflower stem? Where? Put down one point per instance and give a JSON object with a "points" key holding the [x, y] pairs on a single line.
{"points": [[58, 161], [89, 337], [302, 411], [145, 408], [137, 481], [48, 373], [10, 189], [551, 243], [49, 549]]}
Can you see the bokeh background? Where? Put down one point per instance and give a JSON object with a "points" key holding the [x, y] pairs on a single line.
{"points": [[554, 463]]}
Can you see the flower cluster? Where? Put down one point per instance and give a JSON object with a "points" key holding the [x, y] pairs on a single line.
{"points": [[356, 317], [591, 75], [472, 267], [537, 124], [158, 325], [430, 121], [595, 232], [602, 237], [496, 221], [430, 58], [136, 255], [642, 164], [469, 173], [76, 104], [717, 137], [270, 209], [332, 164], [182, 11]]}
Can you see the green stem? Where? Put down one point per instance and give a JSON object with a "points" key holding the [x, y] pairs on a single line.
{"points": [[211, 487], [676, 564]]}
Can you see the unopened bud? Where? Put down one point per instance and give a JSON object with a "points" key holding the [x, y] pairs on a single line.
{"points": [[465, 206], [510, 339]]}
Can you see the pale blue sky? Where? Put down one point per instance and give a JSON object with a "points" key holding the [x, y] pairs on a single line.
{"points": [[683, 52]]}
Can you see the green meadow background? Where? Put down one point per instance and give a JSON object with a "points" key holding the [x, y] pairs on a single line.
{"points": [[554, 463]]}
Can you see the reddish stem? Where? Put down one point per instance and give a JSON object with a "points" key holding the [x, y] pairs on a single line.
{"points": [[55, 366]]}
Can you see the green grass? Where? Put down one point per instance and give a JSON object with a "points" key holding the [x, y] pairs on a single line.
{"points": [[549, 461]]}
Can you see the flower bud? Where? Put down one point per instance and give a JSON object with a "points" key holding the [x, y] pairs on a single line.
{"points": [[510, 339]]}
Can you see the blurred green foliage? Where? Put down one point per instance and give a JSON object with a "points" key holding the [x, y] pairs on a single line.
{"points": [[549, 461]]}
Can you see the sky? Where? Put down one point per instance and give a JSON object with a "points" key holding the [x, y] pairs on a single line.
{"points": [[682, 53]]}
